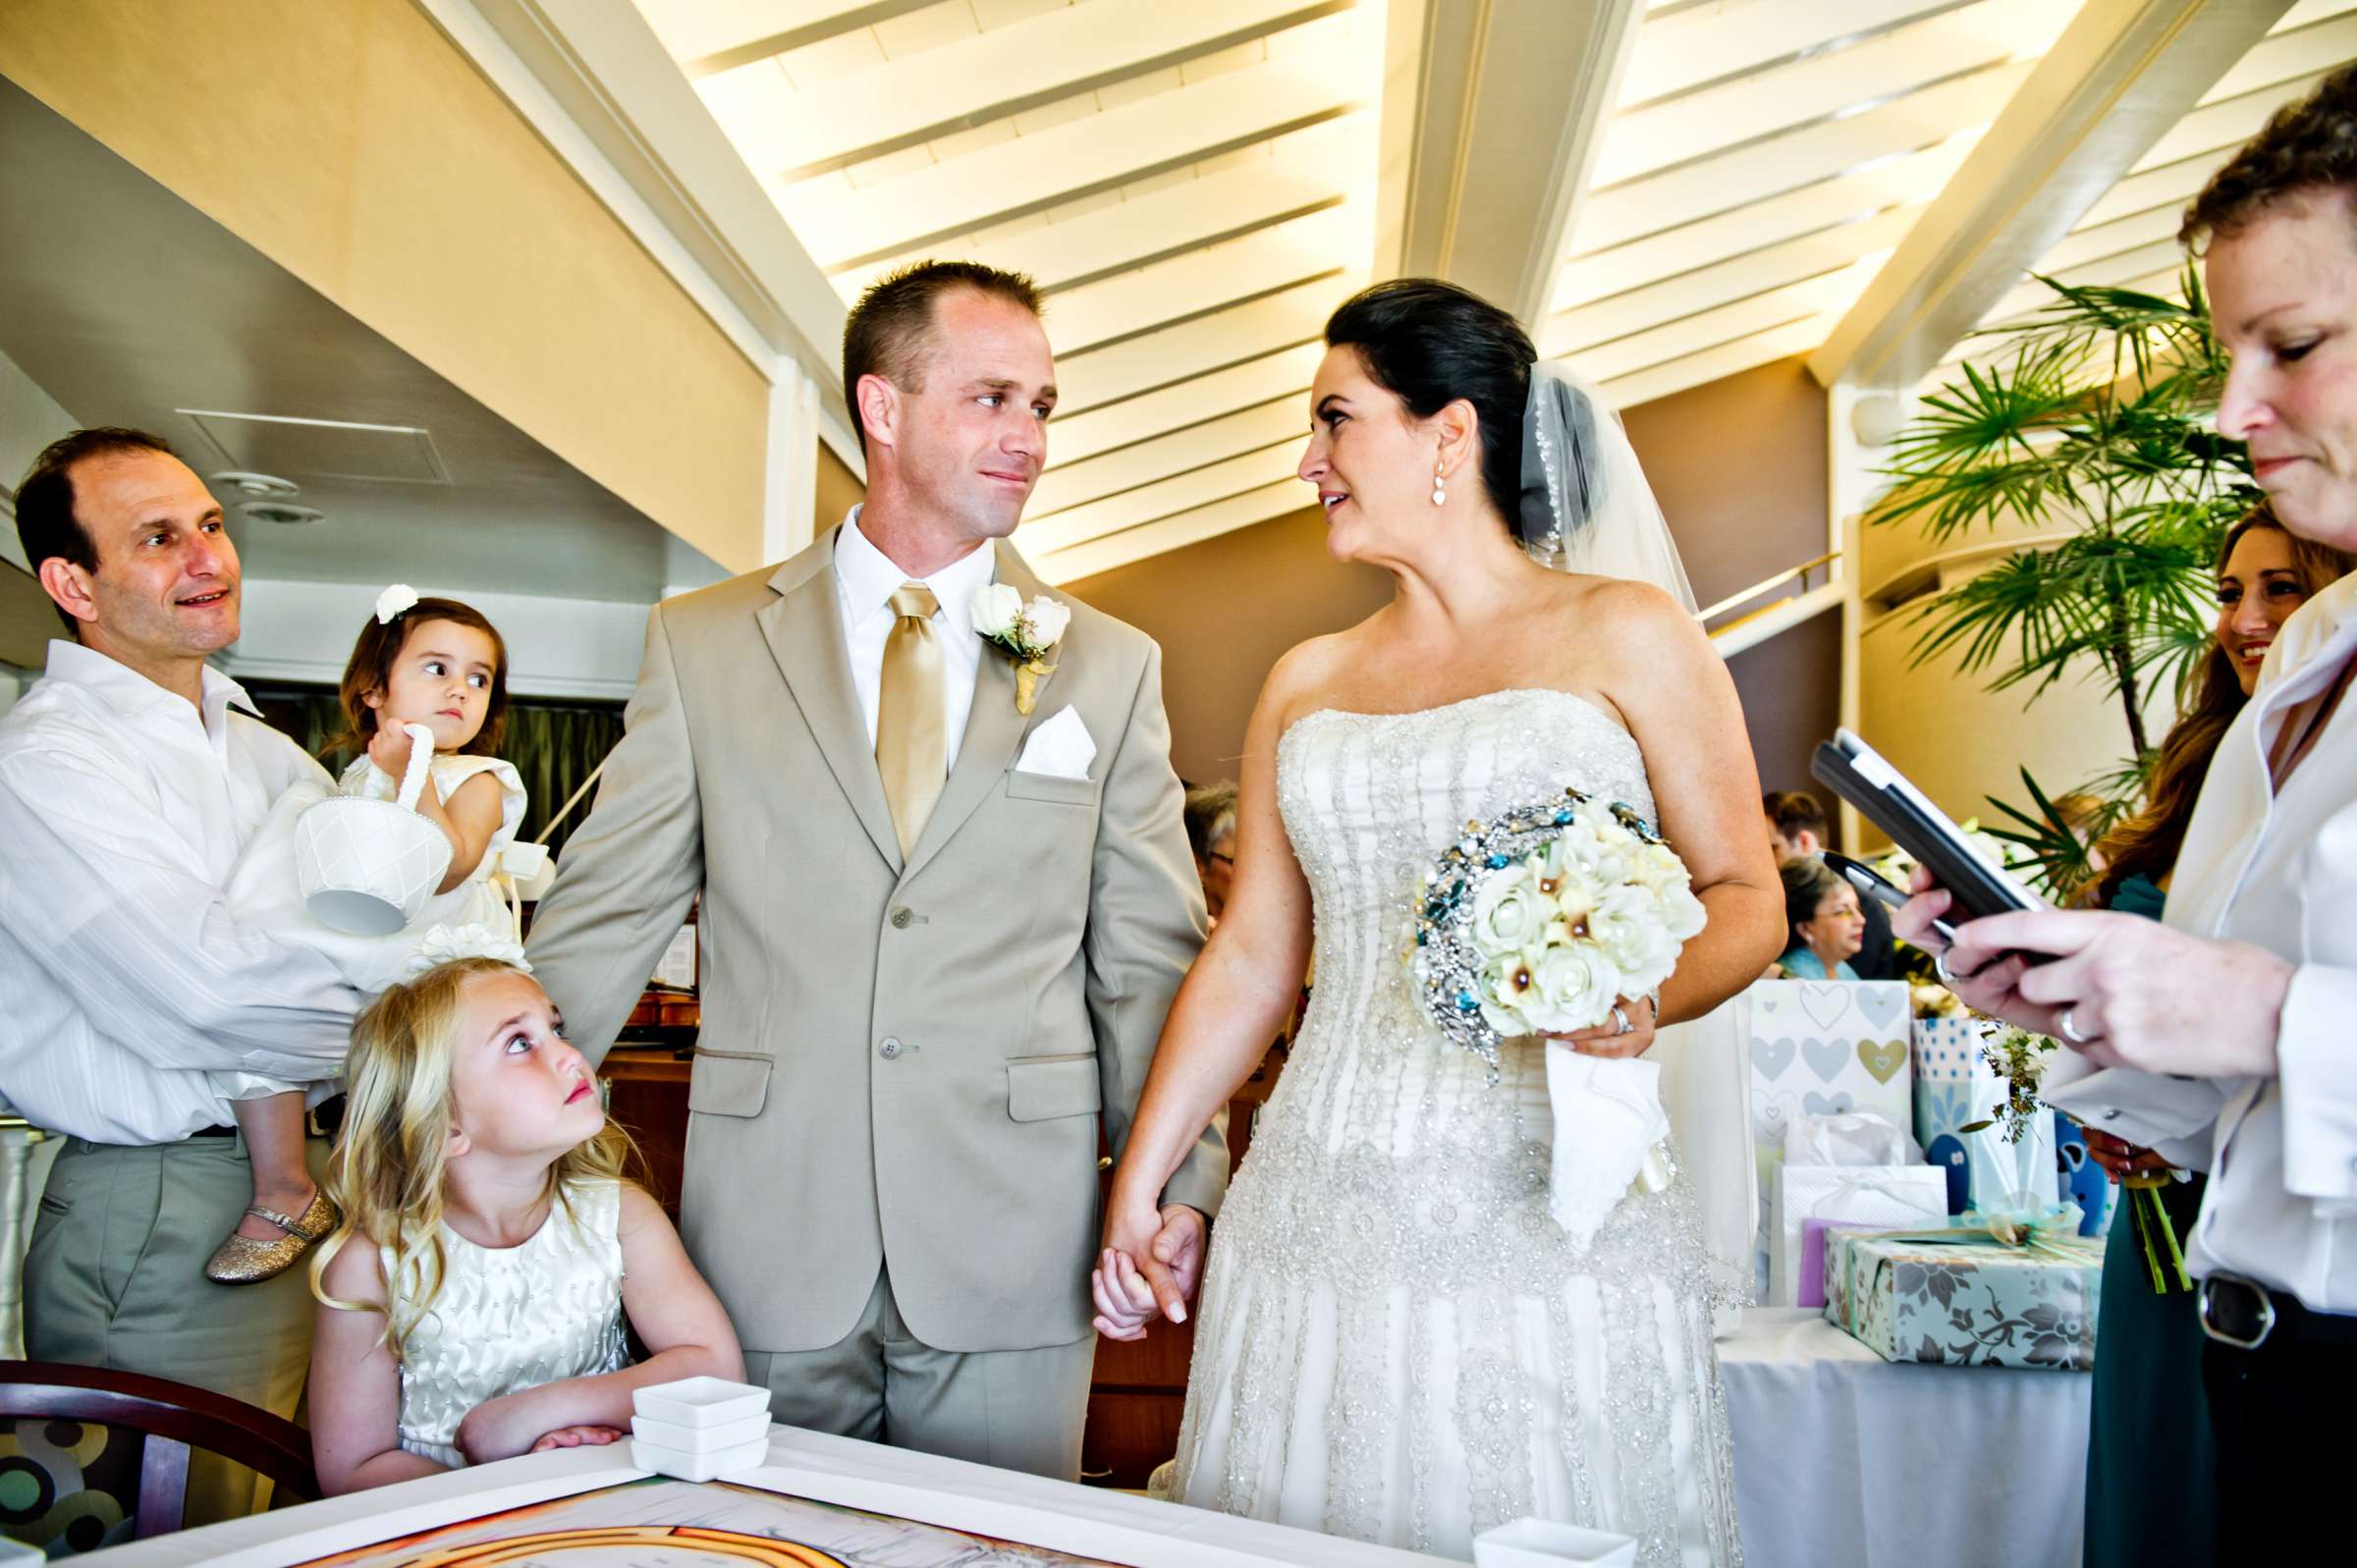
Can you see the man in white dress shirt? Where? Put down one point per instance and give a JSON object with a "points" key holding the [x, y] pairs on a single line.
{"points": [[128, 788], [941, 926]]}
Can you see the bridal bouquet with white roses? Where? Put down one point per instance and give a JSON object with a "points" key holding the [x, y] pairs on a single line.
{"points": [[1026, 632], [1540, 920]]}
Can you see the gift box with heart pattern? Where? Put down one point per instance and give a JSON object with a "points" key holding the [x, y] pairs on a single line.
{"points": [[1821, 1048]]}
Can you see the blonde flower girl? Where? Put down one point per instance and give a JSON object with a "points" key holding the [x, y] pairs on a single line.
{"points": [[471, 1305]]}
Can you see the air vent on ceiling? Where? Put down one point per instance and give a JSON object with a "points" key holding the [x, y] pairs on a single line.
{"points": [[320, 449]]}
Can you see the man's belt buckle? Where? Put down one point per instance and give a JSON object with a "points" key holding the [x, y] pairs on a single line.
{"points": [[2220, 1294]]}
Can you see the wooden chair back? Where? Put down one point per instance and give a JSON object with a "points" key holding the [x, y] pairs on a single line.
{"points": [[171, 1418]]}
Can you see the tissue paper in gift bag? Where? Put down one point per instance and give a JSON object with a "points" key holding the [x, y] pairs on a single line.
{"points": [[1883, 1197], [1966, 1302]]}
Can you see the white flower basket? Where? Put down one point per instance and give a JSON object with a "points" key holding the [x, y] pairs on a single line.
{"points": [[369, 867]]}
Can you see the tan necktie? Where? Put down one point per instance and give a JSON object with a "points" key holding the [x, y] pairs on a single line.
{"points": [[911, 743]]}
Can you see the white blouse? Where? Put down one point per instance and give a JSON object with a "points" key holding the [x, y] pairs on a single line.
{"points": [[126, 981], [2277, 869]]}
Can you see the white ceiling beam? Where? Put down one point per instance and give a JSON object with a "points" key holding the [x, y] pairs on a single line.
{"points": [[711, 36], [1718, 362], [1825, 86], [1907, 180], [989, 75], [1725, 281], [1078, 438], [1299, 178], [2229, 122], [1181, 492], [1689, 50], [1162, 360], [1487, 146], [1772, 307], [2120, 75], [1175, 532], [1762, 170], [1197, 446], [1211, 277], [845, 224]]}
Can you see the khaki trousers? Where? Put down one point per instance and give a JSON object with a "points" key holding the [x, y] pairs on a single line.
{"points": [[115, 1279], [1015, 1409]]}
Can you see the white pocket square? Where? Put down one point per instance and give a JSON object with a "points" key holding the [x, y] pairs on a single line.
{"points": [[1060, 748]]}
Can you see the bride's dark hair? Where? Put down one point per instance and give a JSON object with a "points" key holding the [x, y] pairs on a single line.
{"points": [[1429, 343]]}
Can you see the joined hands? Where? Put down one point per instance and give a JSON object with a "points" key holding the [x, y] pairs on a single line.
{"points": [[1150, 1263]]}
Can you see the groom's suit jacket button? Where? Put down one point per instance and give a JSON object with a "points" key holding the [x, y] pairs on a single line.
{"points": [[889, 1050], [901, 918]]}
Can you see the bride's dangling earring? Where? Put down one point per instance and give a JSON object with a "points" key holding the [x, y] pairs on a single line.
{"points": [[1440, 487]]}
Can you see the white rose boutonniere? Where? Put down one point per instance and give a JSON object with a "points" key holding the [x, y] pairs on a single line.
{"points": [[1026, 632], [996, 607]]}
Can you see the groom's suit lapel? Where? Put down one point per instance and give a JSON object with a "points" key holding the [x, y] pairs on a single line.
{"points": [[804, 627], [993, 730]]}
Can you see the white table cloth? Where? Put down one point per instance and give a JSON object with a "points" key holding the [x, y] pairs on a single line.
{"points": [[1841, 1457]]}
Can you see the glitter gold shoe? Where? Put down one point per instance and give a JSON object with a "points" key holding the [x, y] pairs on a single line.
{"points": [[244, 1261]]}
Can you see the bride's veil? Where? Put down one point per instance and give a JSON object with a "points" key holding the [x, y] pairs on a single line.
{"points": [[1586, 506]]}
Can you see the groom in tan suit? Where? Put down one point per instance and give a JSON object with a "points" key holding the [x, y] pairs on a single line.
{"points": [[937, 945]]}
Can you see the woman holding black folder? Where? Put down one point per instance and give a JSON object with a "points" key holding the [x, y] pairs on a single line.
{"points": [[2221, 1039]]}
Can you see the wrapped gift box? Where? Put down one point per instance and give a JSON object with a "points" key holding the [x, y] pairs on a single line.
{"points": [[1822, 1047], [1878, 1197], [1967, 1303]]}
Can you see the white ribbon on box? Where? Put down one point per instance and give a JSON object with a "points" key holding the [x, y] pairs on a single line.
{"points": [[1888, 1197]]}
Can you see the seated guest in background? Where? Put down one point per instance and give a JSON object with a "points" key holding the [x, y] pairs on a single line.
{"points": [[477, 1172], [1211, 831], [127, 791], [2221, 1038], [2151, 1473], [1822, 922], [1796, 827]]}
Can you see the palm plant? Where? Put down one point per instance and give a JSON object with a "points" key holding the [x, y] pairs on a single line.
{"points": [[2096, 428]]}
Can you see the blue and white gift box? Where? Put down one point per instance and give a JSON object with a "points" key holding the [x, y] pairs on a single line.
{"points": [[1955, 1087]]}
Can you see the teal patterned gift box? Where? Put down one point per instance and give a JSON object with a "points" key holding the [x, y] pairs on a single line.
{"points": [[1967, 1302]]}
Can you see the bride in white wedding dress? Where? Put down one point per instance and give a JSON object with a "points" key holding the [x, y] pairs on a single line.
{"points": [[1395, 1341]]}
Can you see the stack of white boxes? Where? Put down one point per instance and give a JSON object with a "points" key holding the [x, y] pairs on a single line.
{"points": [[699, 1428]]}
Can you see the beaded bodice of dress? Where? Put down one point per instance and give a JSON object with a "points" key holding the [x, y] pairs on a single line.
{"points": [[516, 1318], [1433, 1175]]}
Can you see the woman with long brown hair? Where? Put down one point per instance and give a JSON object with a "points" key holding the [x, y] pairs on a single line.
{"points": [[2151, 1471]]}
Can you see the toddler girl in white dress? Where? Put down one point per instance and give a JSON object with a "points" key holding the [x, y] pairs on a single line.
{"points": [[430, 662], [472, 1301]]}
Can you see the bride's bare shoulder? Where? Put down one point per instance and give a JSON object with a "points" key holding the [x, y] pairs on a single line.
{"points": [[1309, 668]]}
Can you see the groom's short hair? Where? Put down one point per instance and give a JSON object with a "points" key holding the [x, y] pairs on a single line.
{"points": [[887, 334]]}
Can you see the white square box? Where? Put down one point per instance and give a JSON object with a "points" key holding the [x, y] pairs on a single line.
{"points": [[682, 1465], [701, 1439], [700, 1401], [1545, 1543]]}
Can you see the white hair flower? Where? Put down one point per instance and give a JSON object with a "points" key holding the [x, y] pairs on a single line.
{"points": [[392, 601], [449, 944]]}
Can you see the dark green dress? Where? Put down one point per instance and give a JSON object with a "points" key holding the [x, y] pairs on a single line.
{"points": [[2152, 1488]]}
